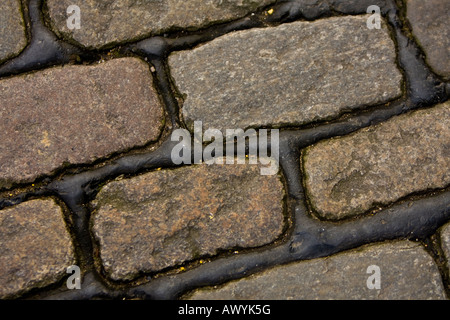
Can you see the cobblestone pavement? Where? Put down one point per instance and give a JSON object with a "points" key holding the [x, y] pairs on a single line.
{"points": [[94, 206]]}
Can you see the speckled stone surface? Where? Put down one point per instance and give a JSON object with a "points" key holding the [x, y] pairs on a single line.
{"points": [[406, 272], [74, 114], [12, 29], [287, 75], [379, 165], [429, 22], [35, 247], [164, 218], [106, 22]]}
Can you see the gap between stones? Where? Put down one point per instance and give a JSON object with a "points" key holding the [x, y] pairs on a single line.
{"points": [[308, 238]]}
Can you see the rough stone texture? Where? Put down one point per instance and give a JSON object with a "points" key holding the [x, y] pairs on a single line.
{"points": [[35, 247], [105, 22], [74, 114], [166, 217], [406, 272], [291, 74], [380, 164], [12, 29], [429, 21], [445, 242]]}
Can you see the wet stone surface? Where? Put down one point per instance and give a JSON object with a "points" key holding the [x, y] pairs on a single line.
{"points": [[164, 218], [379, 165], [12, 29], [429, 21], [406, 272], [74, 114], [35, 247], [291, 74], [105, 22], [86, 176]]}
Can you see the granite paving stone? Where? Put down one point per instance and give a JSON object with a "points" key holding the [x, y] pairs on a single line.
{"points": [[429, 22], [105, 22], [12, 29], [349, 175], [164, 218], [35, 247], [292, 74], [406, 272], [75, 114]]}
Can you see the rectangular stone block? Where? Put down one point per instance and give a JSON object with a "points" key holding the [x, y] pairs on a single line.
{"points": [[429, 22], [164, 218], [12, 29], [74, 115], [292, 74], [404, 269], [106, 22], [349, 175], [35, 247]]}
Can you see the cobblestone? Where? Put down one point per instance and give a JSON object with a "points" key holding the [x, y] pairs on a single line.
{"points": [[378, 165], [35, 247], [106, 22], [406, 272], [429, 20], [74, 114], [292, 74], [87, 174], [12, 30], [164, 218]]}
